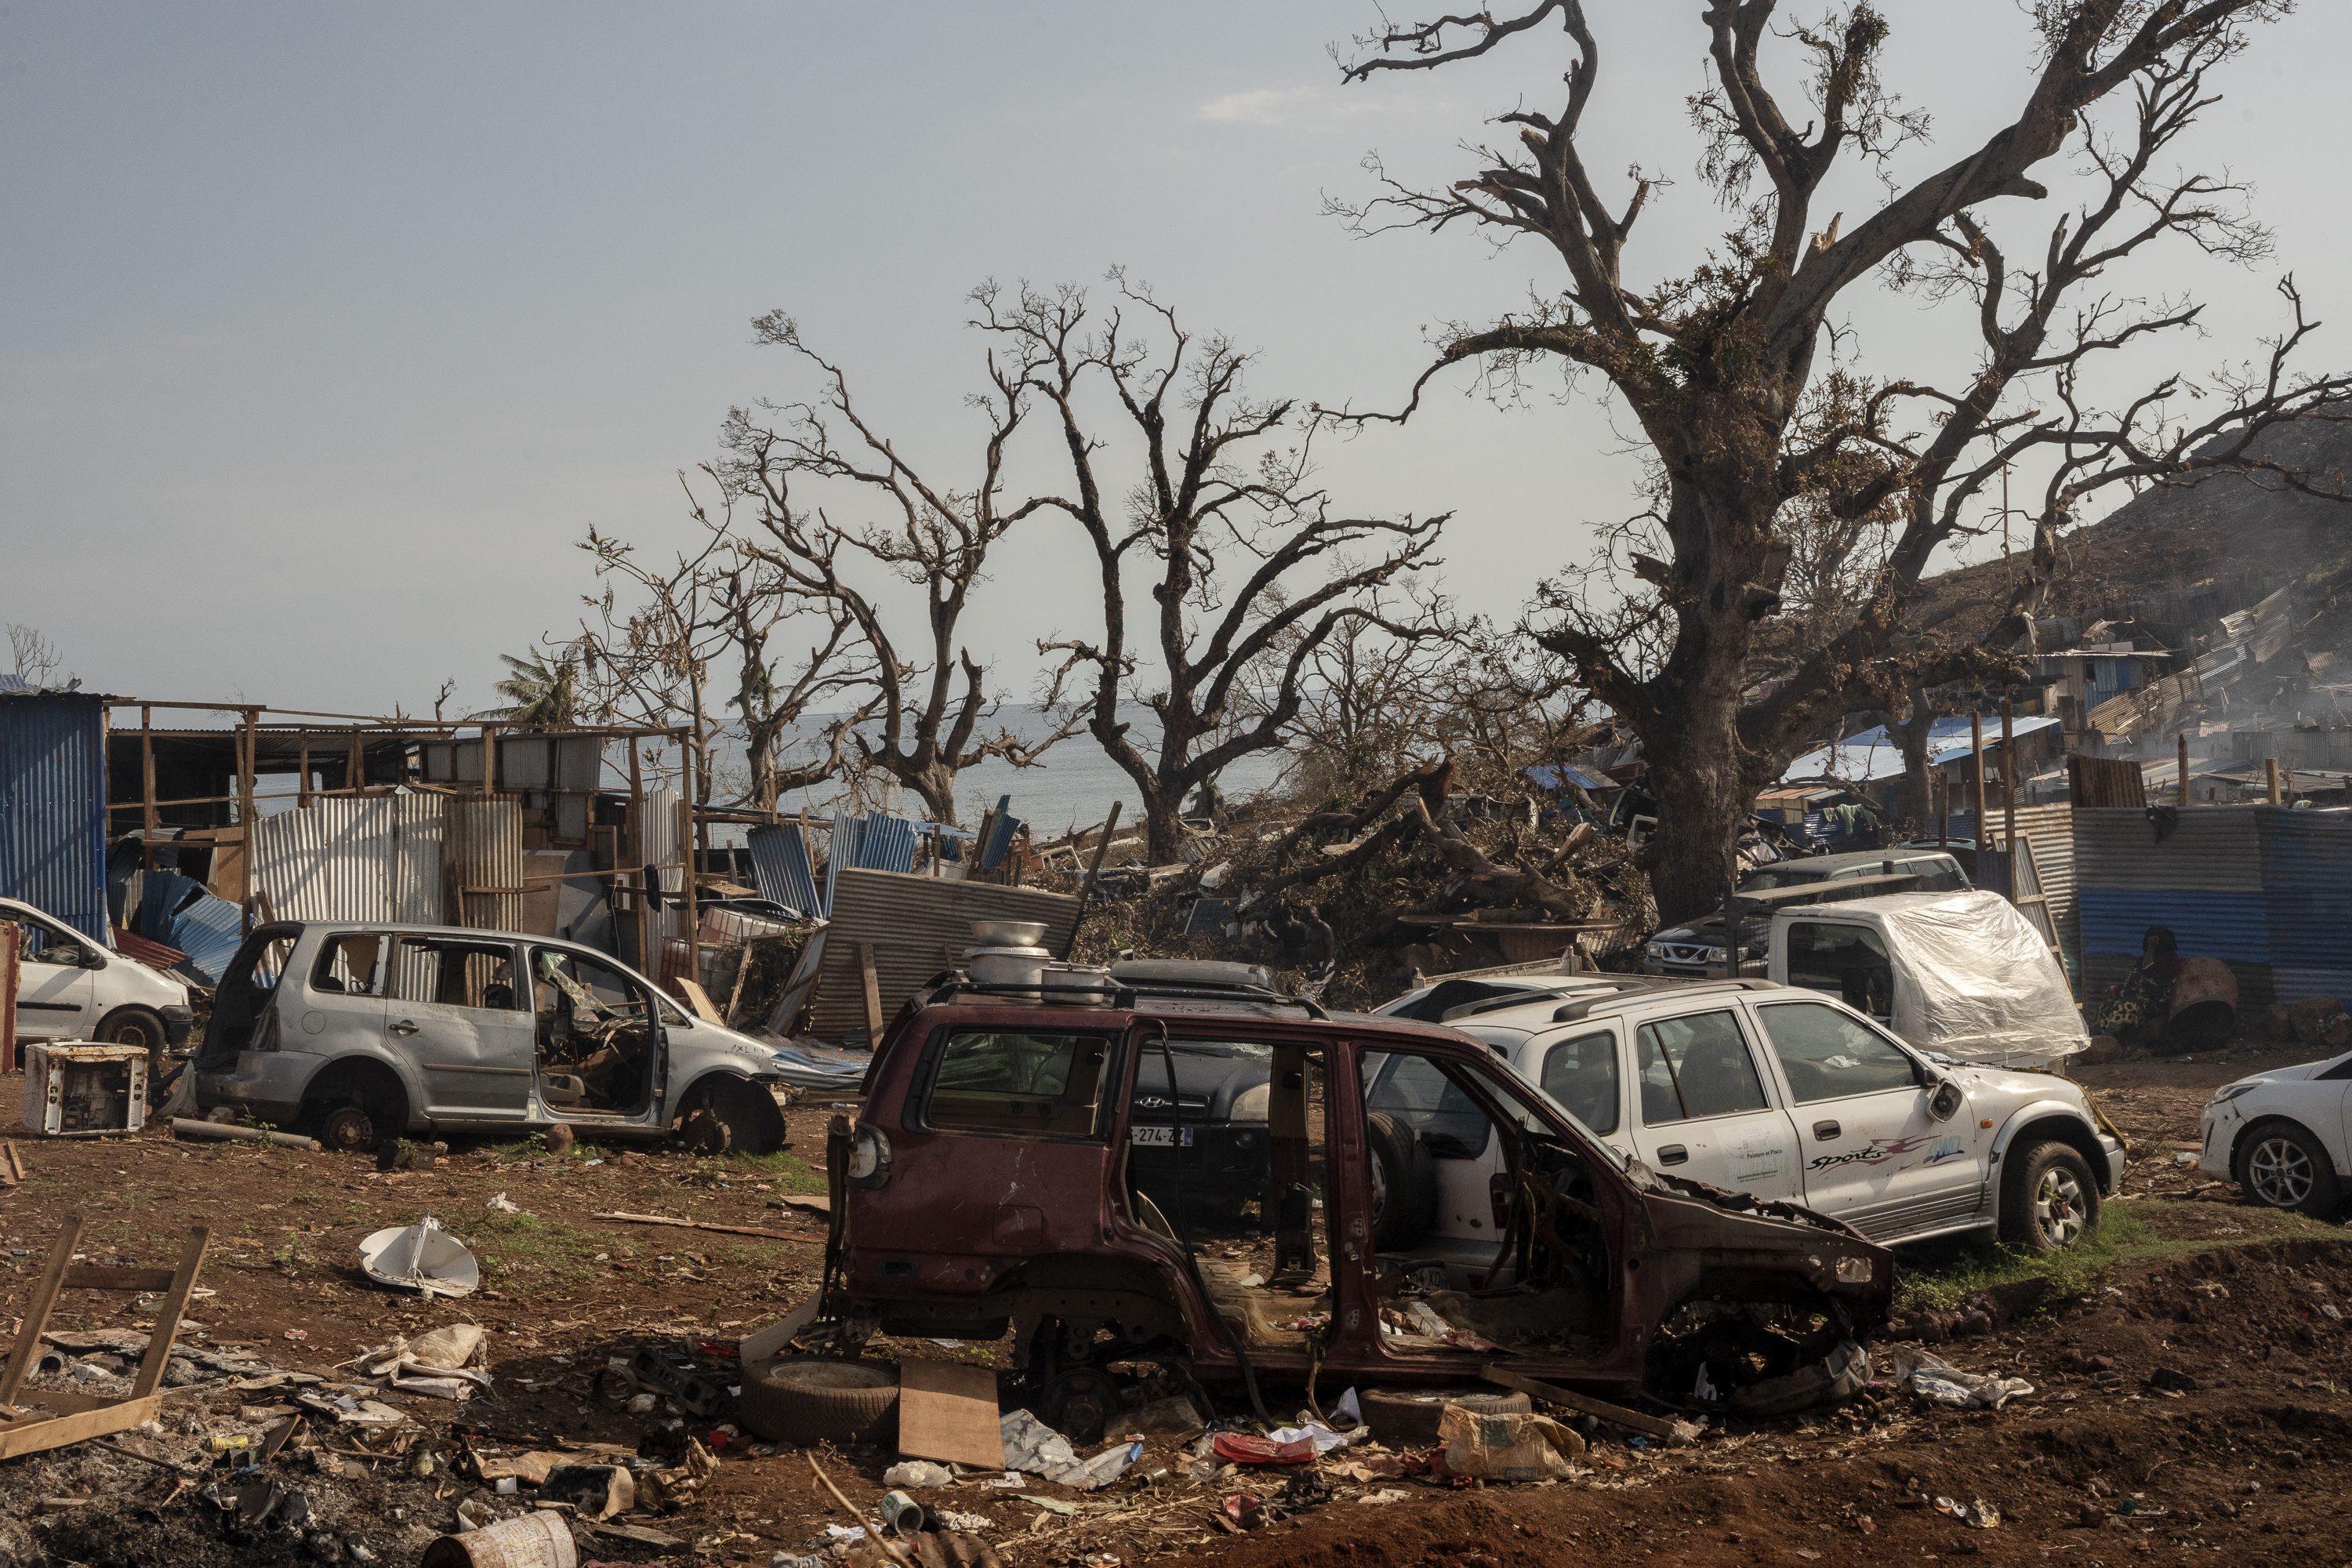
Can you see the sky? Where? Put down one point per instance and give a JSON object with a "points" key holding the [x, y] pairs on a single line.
{"points": [[328, 332]]}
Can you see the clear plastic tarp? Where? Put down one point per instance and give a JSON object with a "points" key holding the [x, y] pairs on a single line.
{"points": [[1970, 978]]}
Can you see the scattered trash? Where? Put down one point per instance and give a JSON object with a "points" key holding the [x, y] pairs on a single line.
{"points": [[1506, 1447], [1935, 1380], [1385, 1495], [423, 1257], [542, 1539], [1977, 1515], [1242, 1448], [917, 1473], [501, 1203]]}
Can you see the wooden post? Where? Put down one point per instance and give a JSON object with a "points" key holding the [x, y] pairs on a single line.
{"points": [[2007, 783], [1976, 772], [149, 818], [303, 760], [693, 913], [245, 817], [490, 761], [637, 848], [873, 983], [355, 768], [8, 951], [2271, 774], [2180, 778], [1941, 792], [1094, 869]]}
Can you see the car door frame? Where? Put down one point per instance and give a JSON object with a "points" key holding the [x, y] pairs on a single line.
{"points": [[502, 1096], [1927, 1206], [656, 1113], [1777, 1159]]}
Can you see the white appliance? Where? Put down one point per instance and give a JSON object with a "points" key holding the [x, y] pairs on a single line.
{"points": [[74, 1089]]}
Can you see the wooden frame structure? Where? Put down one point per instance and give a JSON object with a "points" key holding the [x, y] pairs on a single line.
{"points": [[81, 1416]]}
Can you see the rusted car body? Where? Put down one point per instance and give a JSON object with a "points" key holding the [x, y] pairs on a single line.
{"points": [[968, 1199]]}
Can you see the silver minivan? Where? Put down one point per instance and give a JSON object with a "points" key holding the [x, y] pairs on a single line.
{"points": [[358, 1033]]}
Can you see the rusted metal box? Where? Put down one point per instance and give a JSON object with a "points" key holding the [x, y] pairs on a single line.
{"points": [[74, 1089]]}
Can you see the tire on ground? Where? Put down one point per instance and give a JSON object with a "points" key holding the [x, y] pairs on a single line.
{"points": [[724, 1112], [807, 1400], [2022, 1223], [1409, 1176], [2279, 1143], [1410, 1417]]}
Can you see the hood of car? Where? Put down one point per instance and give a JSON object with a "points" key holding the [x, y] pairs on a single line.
{"points": [[2300, 1073], [2017, 1085]]}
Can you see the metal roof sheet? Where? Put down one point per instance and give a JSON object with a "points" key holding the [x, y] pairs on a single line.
{"points": [[53, 806], [352, 857], [1874, 753], [917, 926]]}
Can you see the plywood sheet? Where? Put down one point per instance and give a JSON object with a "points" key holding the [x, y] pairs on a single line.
{"points": [[947, 1411]]}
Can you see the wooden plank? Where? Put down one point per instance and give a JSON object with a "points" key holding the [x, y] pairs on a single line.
{"points": [[947, 1411], [872, 976], [706, 1225], [66, 1401], [97, 1277], [22, 1437], [1631, 1420], [700, 1000], [38, 1308], [167, 1319]]}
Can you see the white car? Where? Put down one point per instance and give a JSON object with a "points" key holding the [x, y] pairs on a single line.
{"points": [[1745, 1084], [71, 988], [2280, 1135]]}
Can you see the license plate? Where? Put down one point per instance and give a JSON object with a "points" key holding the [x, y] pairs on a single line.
{"points": [[1159, 1137]]}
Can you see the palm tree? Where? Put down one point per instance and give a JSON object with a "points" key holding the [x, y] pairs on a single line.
{"points": [[540, 693]]}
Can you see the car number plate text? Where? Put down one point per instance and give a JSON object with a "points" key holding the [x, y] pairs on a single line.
{"points": [[1163, 1137]]}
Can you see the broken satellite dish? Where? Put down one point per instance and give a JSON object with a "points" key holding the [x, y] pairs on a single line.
{"points": [[423, 1257]]}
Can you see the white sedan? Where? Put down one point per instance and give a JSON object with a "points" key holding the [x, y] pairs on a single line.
{"points": [[2280, 1135]]}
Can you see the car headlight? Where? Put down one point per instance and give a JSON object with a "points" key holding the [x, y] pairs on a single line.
{"points": [[1715, 955], [1656, 948], [870, 1157], [1252, 1104], [2229, 1092]]}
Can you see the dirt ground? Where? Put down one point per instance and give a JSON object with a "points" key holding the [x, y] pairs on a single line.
{"points": [[2231, 1453]]}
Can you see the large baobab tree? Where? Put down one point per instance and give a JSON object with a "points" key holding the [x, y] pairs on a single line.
{"points": [[1252, 570], [1755, 414]]}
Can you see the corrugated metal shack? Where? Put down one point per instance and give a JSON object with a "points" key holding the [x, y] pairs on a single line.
{"points": [[917, 926], [53, 804], [2050, 829], [2265, 888]]}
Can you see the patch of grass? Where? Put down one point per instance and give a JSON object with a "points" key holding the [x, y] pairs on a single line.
{"points": [[1941, 1280], [526, 1252], [787, 1171]]}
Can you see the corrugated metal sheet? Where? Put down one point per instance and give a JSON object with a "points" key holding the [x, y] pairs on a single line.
{"points": [[2213, 850], [780, 863], [53, 806], [209, 931], [2051, 830], [2307, 871], [484, 863], [371, 857], [841, 851], [657, 836], [918, 926], [886, 844]]}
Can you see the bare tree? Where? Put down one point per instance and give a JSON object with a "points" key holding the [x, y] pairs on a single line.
{"points": [[36, 656], [935, 707], [1223, 504], [1719, 366]]}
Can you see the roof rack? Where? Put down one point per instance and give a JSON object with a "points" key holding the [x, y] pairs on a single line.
{"points": [[1123, 995], [1571, 1012], [1602, 986]]}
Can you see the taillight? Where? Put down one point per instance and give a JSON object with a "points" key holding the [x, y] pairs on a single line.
{"points": [[870, 1157]]}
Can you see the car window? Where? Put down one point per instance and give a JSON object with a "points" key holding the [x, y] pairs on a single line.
{"points": [[1828, 1055], [1693, 1066], [1581, 1074], [1937, 874], [1417, 1091], [1848, 961], [38, 942], [454, 972], [348, 962], [994, 1080]]}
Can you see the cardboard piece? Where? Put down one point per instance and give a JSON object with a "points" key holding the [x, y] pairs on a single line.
{"points": [[947, 1411]]}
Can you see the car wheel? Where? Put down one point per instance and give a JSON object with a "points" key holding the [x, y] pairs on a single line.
{"points": [[2281, 1166], [347, 1130], [728, 1113], [2049, 1200], [140, 1026], [808, 1400], [1404, 1183]]}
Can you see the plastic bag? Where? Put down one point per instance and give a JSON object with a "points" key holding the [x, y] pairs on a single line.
{"points": [[1934, 1379]]}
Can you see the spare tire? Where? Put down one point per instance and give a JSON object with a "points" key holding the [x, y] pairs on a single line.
{"points": [[807, 1400], [1404, 1183], [1410, 1417]]}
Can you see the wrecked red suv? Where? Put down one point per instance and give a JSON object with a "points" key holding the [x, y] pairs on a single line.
{"points": [[986, 1187]]}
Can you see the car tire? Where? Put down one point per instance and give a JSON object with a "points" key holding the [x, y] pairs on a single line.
{"points": [[726, 1113], [347, 1130], [2284, 1166], [138, 1026], [1410, 1420], [2049, 1200], [808, 1400], [1404, 1183]]}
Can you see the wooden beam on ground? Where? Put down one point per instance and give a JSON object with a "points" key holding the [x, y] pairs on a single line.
{"points": [[1584, 1404], [706, 1225]]}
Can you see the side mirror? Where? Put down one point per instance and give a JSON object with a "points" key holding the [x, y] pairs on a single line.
{"points": [[1945, 1103], [93, 958]]}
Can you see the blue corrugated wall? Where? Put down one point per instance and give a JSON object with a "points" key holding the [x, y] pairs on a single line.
{"points": [[53, 806]]}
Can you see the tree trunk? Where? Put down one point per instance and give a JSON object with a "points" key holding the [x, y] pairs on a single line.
{"points": [[1911, 738], [1704, 797]]}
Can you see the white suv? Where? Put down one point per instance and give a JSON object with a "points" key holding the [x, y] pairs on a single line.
{"points": [[1761, 1087]]}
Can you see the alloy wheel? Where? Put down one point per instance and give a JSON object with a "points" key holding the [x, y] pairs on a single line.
{"points": [[2280, 1173], [2058, 1206]]}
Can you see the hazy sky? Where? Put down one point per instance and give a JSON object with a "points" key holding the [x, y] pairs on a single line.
{"points": [[328, 329]]}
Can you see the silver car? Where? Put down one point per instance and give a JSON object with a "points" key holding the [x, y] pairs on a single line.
{"points": [[358, 1033]]}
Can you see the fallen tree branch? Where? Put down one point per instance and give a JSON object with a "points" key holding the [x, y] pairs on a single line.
{"points": [[1348, 824], [1481, 881], [1431, 783]]}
